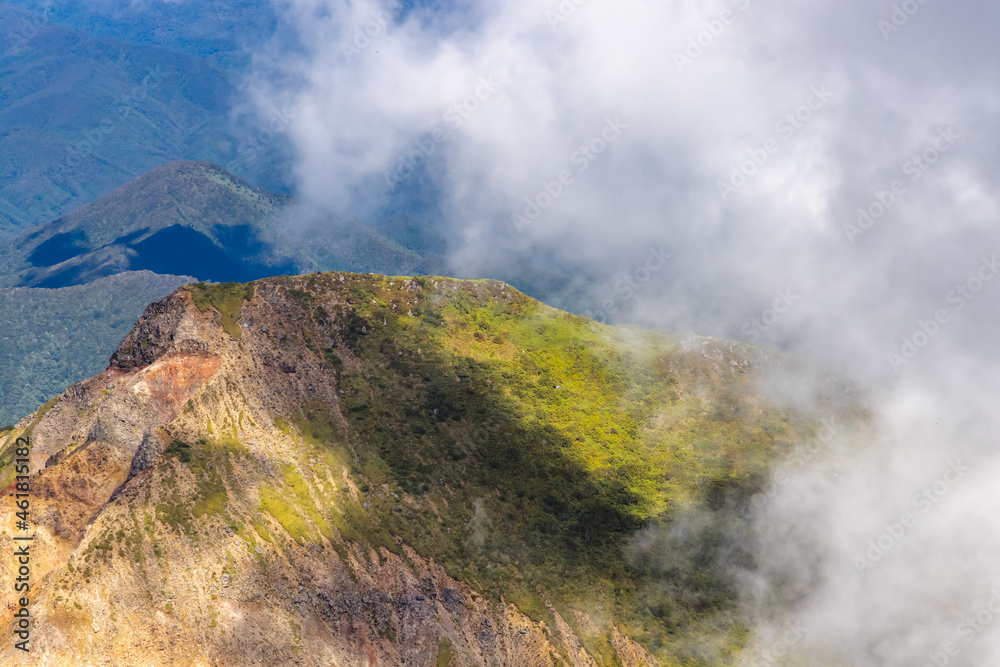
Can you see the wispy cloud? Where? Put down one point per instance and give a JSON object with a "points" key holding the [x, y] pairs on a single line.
{"points": [[875, 145]]}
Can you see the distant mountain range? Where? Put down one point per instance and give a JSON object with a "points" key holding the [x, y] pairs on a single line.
{"points": [[180, 222], [224, 32], [182, 218], [82, 113], [196, 218]]}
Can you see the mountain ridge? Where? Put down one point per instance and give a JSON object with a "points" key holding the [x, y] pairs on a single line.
{"points": [[138, 226], [194, 218], [279, 440]]}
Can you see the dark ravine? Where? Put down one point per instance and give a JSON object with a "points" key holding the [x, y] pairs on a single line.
{"points": [[353, 470]]}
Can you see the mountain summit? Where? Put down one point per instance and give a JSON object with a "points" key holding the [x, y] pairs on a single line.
{"points": [[360, 469]]}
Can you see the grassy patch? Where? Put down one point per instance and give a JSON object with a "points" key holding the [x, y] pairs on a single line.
{"points": [[226, 298], [318, 427], [207, 461], [262, 530], [276, 503], [282, 425], [445, 653], [178, 450]]}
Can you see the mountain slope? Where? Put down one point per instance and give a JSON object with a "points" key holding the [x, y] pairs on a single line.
{"points": [[224, 32], [367, 470]]}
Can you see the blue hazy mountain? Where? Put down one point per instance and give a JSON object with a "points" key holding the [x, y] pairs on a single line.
{"points": [[224, 31], [114, 115], [81, 114]]}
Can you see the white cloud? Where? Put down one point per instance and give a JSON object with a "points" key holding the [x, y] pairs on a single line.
{"points": [[657, 185]]}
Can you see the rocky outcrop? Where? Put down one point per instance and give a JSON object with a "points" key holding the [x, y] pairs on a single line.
{"points": [[154, 334]]}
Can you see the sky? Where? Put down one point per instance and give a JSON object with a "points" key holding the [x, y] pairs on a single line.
{"points": [[816, 177]]}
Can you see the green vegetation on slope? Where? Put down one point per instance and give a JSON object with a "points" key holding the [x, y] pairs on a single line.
{"points": [[227, 299], [445, 653], [207, 462], [542, 456]]}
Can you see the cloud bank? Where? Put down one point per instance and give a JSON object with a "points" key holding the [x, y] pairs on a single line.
{"points": [[816, 177]]}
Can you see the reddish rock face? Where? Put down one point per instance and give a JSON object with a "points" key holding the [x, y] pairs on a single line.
{"points": [[171, 382]]}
